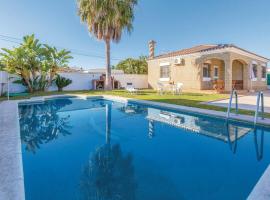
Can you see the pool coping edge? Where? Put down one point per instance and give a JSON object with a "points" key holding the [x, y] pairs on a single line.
{"points": [[12, 177], [18, 182]]}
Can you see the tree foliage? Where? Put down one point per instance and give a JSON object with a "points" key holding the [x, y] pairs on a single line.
{"points": [[106, 20], [62, 82], [133, 66], [35, 63]]}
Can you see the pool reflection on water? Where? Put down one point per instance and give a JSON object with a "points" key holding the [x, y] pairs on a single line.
{"points": [[98, 149]]}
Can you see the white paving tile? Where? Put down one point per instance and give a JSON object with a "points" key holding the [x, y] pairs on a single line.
{"points": [[262, 189], [11, 168]]}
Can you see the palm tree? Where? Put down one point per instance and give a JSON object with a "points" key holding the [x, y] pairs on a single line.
{"points": [[35, 63], [14, 62], [54, 60], [106, 19], [25, 61], [33, 50]]}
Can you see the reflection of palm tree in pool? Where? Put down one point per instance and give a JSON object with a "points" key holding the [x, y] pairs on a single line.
{"points": [[108, 122], [109, 175], [41, 123]]}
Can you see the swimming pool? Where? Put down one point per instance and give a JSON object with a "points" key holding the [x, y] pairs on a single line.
{"points": [[100, 149]]}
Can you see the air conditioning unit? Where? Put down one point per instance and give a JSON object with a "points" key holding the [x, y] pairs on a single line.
{"points": [[179, 61]]}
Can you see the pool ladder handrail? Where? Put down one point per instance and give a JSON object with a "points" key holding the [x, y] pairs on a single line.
{"points": [[259, 144], [232, 144], [233, 93], [259, 106]]}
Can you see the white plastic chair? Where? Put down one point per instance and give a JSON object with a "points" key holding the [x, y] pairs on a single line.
{"points": [[177, 89], [130, 88], [160, 88]]}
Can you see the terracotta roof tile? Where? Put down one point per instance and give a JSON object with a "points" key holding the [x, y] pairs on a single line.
{"points": [[191, 50], [202, 48]]}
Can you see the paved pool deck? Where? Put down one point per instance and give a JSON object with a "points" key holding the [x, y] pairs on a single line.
{"points": [[11, 167], [261, 190], [246, 102], [11, 170]]}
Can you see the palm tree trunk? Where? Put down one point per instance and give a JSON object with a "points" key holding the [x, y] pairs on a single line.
{"points": [[108, 80], [108, 122], [29, 86], [51, 76]]}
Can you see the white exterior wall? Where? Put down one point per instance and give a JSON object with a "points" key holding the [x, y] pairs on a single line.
{"points": [[80, 81], [138, 80], [83, 81], [13, 88]]}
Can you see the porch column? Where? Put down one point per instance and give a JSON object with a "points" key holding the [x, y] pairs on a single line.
{"points": [[228, 75], [246, 77]]}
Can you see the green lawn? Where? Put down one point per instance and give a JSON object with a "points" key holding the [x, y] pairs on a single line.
{"points": [[185, 99]]}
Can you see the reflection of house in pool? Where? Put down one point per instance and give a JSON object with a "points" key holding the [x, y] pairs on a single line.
{"points": [[214, 128], [133, 109]]}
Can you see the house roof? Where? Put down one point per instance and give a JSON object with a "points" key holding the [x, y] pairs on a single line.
{"points": [[103, 71], [89, 71], [203, 48], [69, 69]]}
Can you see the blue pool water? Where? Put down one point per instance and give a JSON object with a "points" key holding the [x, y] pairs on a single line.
{"points": [[104, 150]]}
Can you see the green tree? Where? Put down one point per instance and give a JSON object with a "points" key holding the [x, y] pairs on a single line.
{"points": [[106, 19], [2, 66], [14, 62], [133, 66], [36, 64], [55, 59]]}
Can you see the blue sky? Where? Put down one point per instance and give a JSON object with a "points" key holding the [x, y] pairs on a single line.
{"points": [[174, 24]]}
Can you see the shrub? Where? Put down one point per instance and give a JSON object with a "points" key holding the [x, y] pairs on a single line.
{"points": [[62, 82]]}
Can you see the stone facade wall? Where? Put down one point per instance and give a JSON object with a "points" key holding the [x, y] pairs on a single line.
{"points": [[191, 76], [188, 74]]}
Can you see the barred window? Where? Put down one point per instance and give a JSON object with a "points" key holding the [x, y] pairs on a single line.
{"points": [[206, 71], [164, 71], [215, 72], [254, 70]]}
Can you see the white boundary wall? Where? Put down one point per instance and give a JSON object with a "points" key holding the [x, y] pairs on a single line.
{"points": [[83, 81], [138, 80]]}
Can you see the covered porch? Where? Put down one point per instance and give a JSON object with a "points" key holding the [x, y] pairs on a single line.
{"points": [[224, 74]]}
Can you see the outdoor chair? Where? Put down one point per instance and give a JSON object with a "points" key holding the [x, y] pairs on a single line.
{"points": [[130, 88], [160, 88], [177, 88], [218, 85]]}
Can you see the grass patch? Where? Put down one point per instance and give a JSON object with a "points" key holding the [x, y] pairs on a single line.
{"points": [[185, 99]]}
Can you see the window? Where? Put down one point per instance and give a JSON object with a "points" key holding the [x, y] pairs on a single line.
{"points": [[164, 71], [206, 71], [263, 72], [216, 72], [254, 71]]}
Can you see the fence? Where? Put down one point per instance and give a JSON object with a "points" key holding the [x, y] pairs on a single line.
{"points": [[80, 81]]}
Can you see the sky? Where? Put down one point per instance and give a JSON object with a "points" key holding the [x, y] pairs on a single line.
{"points": [[173, 24]]}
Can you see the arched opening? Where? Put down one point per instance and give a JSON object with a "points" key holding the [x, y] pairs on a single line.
{"points": [[213, 74], [238, 72]]}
